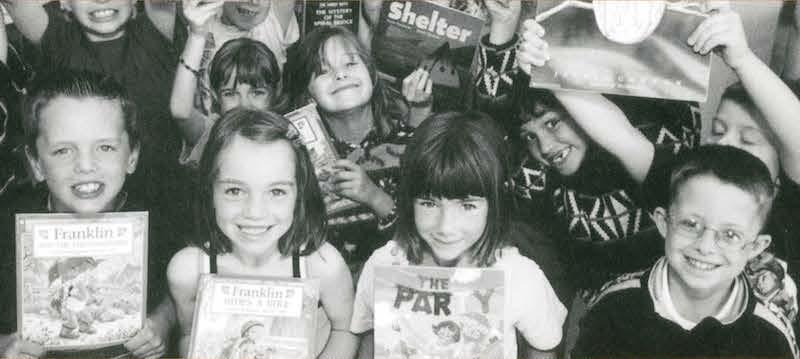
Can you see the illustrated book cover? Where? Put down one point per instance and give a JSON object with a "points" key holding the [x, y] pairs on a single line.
{"points": [[436, 312], [254, 318], [81, 281], [631, 47], [429, 34]]}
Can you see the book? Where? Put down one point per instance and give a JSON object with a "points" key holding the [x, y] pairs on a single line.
{"points": [[437, 312], [254, 317], [315, 13], [412, 34], [634, 48], [323, 154], [81, 280]]}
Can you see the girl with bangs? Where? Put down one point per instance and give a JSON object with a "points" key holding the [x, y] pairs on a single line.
{"points": [[453, 211], [370, 125], [243, 73], [264, 220]]}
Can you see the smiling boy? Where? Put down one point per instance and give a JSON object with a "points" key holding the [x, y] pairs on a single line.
{"points": [[696, 301]]}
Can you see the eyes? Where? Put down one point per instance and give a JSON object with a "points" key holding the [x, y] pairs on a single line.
{"points": [[230, 93], [67, 151], [695, 228], [746, 135], [349, 62], [550, 125], [237, 192], [465, 205]]}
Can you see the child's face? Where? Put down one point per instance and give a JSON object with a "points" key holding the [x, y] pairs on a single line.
{"points": [[233, 95], [101, 20], [767, 281], [553, 141], [450, 226], [737, 126], [727, 214], [343, 82], [246, 14], [254, 194], [84, 153]]}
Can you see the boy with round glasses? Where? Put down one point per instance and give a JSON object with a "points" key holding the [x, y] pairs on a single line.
{"points": [[696, 301]]}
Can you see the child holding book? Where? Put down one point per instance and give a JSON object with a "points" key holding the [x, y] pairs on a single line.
{"points": [[696, 301], [263, 211], [243, 73], [453, 211], [370, 125], [82, 142], [757, 115]]}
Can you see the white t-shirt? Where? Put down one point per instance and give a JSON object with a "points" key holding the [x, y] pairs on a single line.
{"points": [[533, 308]]}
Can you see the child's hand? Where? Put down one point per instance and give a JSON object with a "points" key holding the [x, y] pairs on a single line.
{"points": [[504, 16], [351, 181], [13, 347], [198, 15], [372, 11], [418, 87], [533, 51], [147, 343], [724, 33]]}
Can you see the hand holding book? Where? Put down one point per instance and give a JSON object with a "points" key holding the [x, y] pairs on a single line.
{"points": [[504, 18], [722, 32], [533, 51], [199, 12]]}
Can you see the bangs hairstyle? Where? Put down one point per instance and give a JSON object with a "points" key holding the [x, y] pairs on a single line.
{"points": [[252, 63], [74, 84], [730, 165], [308, 228], [456, 155], [535, 103], [306, 59]]}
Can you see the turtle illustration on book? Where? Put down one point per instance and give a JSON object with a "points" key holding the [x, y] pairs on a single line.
{"points": [[73, 295]]}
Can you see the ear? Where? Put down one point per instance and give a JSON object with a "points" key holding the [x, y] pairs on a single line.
{"points": [[660, 218], [133, 159], [35, 164], [761, 243]]}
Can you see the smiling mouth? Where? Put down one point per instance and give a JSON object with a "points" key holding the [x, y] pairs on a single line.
{"points": [[344, 88], [559, 157], [246, 12], [254, 230], [87, 190], [700, 265], [101, 15]]}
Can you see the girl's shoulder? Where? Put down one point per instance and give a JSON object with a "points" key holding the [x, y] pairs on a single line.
{"points": [[325, 261], [392, 253], [187, 265], [515, 263]]}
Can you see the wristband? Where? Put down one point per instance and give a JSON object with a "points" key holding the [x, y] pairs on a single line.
{"points": [[387, 220]]}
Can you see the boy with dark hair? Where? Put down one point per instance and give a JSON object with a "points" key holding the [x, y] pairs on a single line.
{"points": [[82, 141], [696, 301]]}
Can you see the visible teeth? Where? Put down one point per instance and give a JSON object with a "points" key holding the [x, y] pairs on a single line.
{"points": [[700, 265], [103, 13], [246, 12], [87, 187], [560, 156], [253, 230]]}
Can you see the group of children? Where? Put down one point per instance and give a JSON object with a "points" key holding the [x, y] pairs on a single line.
{"points": [[658, 234]]}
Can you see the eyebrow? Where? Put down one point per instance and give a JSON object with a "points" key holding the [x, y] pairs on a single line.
{"points": [[235, 181]]}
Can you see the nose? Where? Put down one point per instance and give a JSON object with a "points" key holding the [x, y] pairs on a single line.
{"points": [[447, 221], [546, 142], [726, 139], [85, 163], [707, 243], [256, 207], [341, 74]]}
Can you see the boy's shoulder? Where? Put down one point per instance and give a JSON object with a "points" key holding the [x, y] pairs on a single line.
{"points": [[624, 284]]}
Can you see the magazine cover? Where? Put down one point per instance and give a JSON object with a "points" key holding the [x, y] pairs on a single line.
{"points": [[625, 47], [254, 318], [323, 155], [430, 34], [315, 13], [81, 281], [435, 312]]}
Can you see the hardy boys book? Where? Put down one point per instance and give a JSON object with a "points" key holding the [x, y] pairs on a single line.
{"points": [[323, 155], [625, 47], [81, 281], [254, 318], [411, 34], [315, 13], [435, 312]]}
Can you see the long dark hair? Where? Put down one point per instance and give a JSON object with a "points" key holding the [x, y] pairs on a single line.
{"points": [[253, 63], [306, 59], [456, 155], [308, 229]]}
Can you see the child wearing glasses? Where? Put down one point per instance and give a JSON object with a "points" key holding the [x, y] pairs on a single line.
{"points": [[696, 301]]}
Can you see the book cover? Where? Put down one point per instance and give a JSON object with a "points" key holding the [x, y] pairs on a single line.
{"points": [[430, 34], [322, 152], [81, 281], [315, 13], [254, 318], [631, 47], [436, 312]]}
